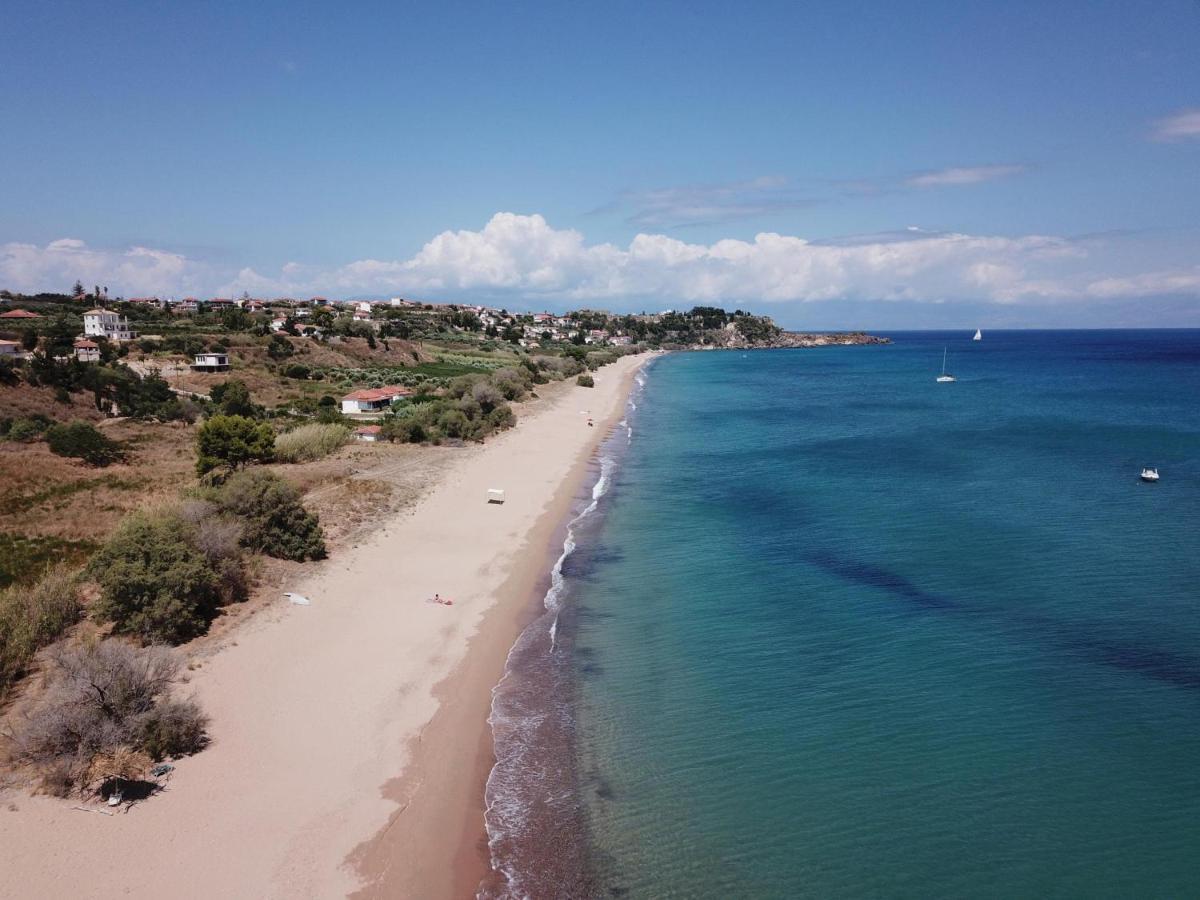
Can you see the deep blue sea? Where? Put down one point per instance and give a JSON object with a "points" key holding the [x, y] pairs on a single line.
{"points": [[833, 629]]}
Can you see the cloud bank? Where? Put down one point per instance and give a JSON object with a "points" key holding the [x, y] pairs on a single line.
{"points": [[522, 258]]}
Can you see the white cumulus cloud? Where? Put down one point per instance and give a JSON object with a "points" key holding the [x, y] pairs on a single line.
{"points": [[57, 265], [523, 259]]}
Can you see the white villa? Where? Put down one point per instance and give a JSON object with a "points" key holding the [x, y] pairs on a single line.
{"points": [[105, 324]]}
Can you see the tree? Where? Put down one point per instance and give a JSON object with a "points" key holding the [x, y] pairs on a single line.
{"points": [[233, 397], [60, 336], [77, 291], [274, 520], [29, 339], [280, 347], [154, 583], [232, 442]]}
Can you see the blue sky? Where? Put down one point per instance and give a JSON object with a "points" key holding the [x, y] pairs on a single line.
{"points": [[865, 164]]}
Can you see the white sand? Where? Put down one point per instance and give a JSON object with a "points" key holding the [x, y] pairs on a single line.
{"points": [[316, 708]]}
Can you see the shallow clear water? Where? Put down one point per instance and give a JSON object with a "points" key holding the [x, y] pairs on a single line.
{"points": [[838, 630]]}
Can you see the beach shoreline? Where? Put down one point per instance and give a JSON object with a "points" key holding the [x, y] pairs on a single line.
{"points": [[350, 738]]}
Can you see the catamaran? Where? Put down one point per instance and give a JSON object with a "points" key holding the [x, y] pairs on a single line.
{"points": [[1149, 474], [944, 376], [978, 335]]}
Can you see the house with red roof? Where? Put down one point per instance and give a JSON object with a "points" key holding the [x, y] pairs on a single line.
{"points": [[87, 351], [19, 314], [369, 433], [372, 400]]}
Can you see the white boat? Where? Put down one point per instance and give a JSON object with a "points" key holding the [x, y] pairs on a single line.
{"points": [[978, 335], [944, 376], [1149, 474]]}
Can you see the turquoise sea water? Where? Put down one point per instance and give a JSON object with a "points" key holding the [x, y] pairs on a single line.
{"points": [[838, 630]]}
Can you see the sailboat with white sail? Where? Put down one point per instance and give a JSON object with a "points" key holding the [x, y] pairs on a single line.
{"points": [[978, 335], [945, 376]]}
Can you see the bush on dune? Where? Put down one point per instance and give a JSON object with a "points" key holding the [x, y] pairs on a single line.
{"points": [[274, 520], [155, 583], [310, 442], [106, 714]]}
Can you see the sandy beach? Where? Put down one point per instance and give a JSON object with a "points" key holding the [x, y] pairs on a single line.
{"points": [[350, 743]]}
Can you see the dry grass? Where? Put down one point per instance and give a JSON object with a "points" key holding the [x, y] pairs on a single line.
{"points": [[21, 400], [48, 495], [308, 443]]}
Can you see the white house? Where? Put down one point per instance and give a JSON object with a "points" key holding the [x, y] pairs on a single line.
{"points": [[211, 362], [10, 350], [87, 351], [369, 400], [105, 324]]}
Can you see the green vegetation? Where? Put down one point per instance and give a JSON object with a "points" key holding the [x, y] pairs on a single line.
{"points": [[232, 398], [231, 442], [310, 442], [106, 715], [33, 617], [24, 430], [273, 519], [82, 440], [472, 407], [156, 583], [24, 558], [585, 381]]}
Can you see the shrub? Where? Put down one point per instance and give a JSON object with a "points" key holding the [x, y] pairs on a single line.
{"points": [[405, 431], [172, 728], [31, 618], [501, 417], [154, 582], [454, 423], [585, 381], [298, 371], [219, 538], [309, 442], [83, 440], [487, 395], [513, 384], [105, 714], [232, 442], [30, 429], [275, 521]]}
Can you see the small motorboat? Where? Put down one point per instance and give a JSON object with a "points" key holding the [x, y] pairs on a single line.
{"points": [[1149, 474]]}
